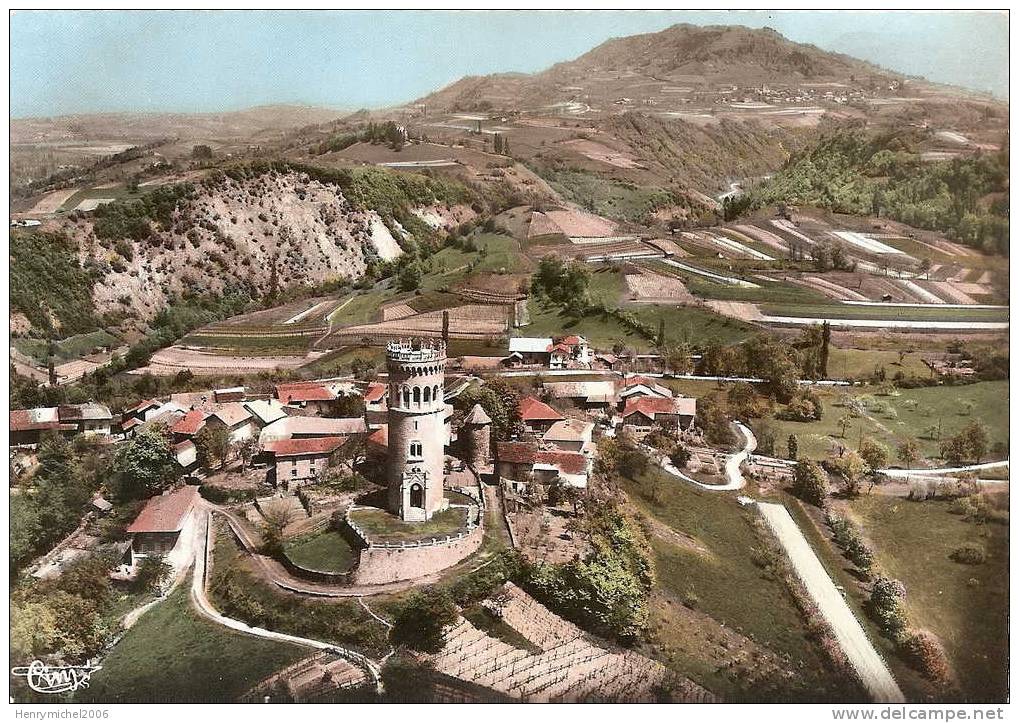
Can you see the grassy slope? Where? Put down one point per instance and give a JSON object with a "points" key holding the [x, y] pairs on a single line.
{"points": [[727, 585], [327, 551], [913, 541], [171, 655], [693, 325], [933, 404]]}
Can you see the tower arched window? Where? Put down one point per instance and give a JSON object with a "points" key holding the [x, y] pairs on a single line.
{"points": [[428, 395], [406, 397], [417, 396], [435, 393]]}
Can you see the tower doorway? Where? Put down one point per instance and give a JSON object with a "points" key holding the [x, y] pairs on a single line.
{"points": [[417, 496]]}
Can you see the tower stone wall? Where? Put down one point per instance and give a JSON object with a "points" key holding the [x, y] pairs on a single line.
{"points": [[416, 429]]}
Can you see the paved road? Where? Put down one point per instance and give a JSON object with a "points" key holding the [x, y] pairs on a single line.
{"points": [[732, 465], [850, 635], [203, 533], [943, 470]]}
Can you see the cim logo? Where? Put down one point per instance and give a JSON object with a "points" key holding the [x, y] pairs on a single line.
{"points": [[44, 678]]}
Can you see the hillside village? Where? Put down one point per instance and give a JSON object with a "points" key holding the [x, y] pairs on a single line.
{"points": [[677, 373]]}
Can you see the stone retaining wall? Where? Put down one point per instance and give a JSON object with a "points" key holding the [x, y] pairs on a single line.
{"points": [[381, 565]]}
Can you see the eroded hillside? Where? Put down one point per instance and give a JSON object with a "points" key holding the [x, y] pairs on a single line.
{"points": [[258, 232]]}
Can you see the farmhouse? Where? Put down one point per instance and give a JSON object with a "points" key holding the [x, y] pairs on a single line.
{"points": [[237, 420], [641, 415], [299, 461], [537, 416], [265, 411], [186, 454], [532, 350], [310, 427], [315, 397], [521, 462], [28, 425], [188, 425], [230, 394], [589, 395], [165, 528], [89, 419], [579, 349], [571, 435], [642, 388]]}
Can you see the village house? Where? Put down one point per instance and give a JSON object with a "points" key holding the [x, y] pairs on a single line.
{"points": [[230, 394], [640, 416], [188, 425], [236, 419], [151, 413], [532, 350], [186, 455], [28, 425], [638, 387], [521, 462], [587, 395], [311, 427], [579, 348], [302, 461], [571, 435], [165, 528], [375, 405], [537, 416], [265, 411], [89, 419], [313, 397]]}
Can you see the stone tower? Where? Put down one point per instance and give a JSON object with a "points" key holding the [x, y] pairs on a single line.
{"points": [[477, 437], [416, 428]]}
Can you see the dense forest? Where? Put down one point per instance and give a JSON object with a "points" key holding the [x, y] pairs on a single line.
{"points": [[883, 175]]}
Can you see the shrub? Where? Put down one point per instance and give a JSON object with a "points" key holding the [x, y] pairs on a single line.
{"points": [[422, 618], [810, 483], [885, 606], [969, 553], [923, 650]]}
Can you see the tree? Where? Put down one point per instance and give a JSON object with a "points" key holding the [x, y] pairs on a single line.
{"points": [[977, 438], [924, 651], [845, 422], [201, 152], [825, 342], [792, 447], [885, 606], [152, 572], [501, 403], [680, 456], [277, 517], [143, 466], [677, 359], [409, 277], [421, 620], [213, 445], [632, 463], [908, 452], [810, 483], [851, 469], [875, 454]]}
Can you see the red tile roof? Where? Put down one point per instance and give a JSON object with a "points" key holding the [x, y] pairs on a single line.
{"points": [[304, 445], [190, 422], [303, 392], [21, 420], [379, 437], [567, 462], [532, 409], [374, 392], [515, 452], [650, 406], [633, 381], [571, 340], [524, 453], [165, 513]]}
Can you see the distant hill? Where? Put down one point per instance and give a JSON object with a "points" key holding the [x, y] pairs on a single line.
{"points": [[232, 125], [678, 57]]}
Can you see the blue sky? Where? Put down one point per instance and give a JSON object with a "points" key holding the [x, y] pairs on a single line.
{"points": [[80, 62]]}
